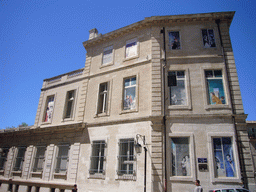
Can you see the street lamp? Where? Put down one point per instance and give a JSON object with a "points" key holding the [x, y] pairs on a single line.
{"points": [[138, 149]]}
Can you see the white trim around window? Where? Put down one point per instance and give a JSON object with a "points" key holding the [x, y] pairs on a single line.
{"points": [[213, 176], [187, 87], [192, 176], [208, 106]]}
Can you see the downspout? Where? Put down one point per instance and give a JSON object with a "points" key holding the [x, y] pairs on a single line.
{"points": [[164, 112], [217, 21]]}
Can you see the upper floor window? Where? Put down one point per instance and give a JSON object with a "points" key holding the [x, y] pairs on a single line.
{"points": [[97, 157], [174, 40], [19, 159], [208, 38], [103, 98], [216, 93], [49, 109], [177, 88], [69, 107], [131, 48], [62, 158], [3, 158], [224, 157], [39, 159], [129, 101], [180, 156], [107, 55], [126, 158]]}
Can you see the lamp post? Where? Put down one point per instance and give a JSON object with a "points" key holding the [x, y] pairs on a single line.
{"points": [[138, 150]]}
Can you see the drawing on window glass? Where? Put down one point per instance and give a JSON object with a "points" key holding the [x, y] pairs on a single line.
{"points": [[174, 40], [224, 160], [49, 110], [208, 38]]}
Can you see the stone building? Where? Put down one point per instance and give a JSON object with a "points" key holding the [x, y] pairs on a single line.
{"points": [[166, 84]]}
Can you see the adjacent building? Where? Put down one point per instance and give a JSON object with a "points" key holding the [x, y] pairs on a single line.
{"points": [[166, 84]]}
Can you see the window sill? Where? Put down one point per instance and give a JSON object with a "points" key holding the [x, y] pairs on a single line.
{"points": [[106, 65], [60, 175], [182, 178], [67, 119], [126, 177], [226, 179], [179, 107], [96, 176], [217, 106], [131, 58], [101, 115], [129, 111], [46, 123], [37, 174], [17, 173]]}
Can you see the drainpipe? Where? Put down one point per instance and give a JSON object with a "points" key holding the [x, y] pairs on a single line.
{"points": [[164, 112], [217, 21]]}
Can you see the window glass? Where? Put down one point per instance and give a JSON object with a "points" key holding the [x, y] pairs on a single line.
{"points": [[126, 156], [19, 159], [208, 38], [180, 158], [70, 100], [107, 55], [177, 89], [131, 48], [39, 159], [174, 40], [129, 93], [103, 97], [49, 109], [216, 94], [3, 158], [224, 159], [97, 157], [62, 159]]}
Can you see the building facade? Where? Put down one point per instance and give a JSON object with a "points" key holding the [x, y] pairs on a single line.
{"points": [[166, 84]]}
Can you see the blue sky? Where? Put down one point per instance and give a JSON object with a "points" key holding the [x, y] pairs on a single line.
{"points": [[40, 39]]}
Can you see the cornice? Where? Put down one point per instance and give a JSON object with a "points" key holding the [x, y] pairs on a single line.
{"points": [[162, 20]]}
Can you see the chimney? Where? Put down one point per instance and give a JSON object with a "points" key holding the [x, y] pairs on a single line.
{"points": [[93, 33]]}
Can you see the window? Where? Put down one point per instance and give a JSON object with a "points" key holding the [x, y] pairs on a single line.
{"points": [[208, 38], [174, 40], [16, 188], [126, 158], [176, 84], [129, 93], [69, 107], [3, 157], [103, 98], [19, 159], [107, 55], [62, 158], [98, 157], [39, 159], [131, 48], [224, 160], [49, 109], [216, 94], [180, 156]]}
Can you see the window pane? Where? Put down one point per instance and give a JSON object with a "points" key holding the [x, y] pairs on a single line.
{"points": [[177, 89], [224, 159], [3, 158], [97, 157], [208, 38], [103, 95], [216, 91], [180, 157], [69, 104], [217, 73], [126, 156], [209, 73], [129, 93], [62, 159], [19, 159], [39, 159], [174, 40], [131, 49], [107, 55], [49, 109]]}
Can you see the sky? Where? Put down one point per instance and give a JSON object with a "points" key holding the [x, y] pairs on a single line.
{"points": [[40, 39]]}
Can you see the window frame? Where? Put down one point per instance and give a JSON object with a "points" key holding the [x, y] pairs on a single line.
{"points": [[4, 159], [208, 106], [126, 176], [72, 112], [102, 57], [188, 106], [22, 159], [136, 55], [57, 157], [136, 98], [208, 37], [98, 174], [45, 109], [36, 169], [213, 177], [97, 114], [169, 43], [192, 177]]}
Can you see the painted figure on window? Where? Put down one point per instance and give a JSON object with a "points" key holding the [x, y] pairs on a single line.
{"points": [[229, 166], [208, 38], [185, 164], [174, 39], [49, 111], [215, 99]]}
